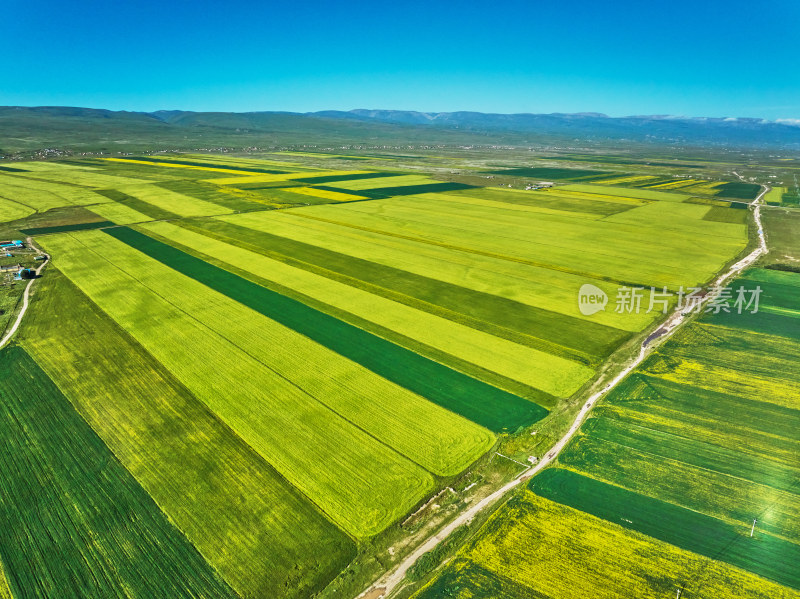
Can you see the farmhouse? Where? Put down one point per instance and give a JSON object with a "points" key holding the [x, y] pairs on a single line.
{"points": [[6, 245], [540, 185], [26, 273]]}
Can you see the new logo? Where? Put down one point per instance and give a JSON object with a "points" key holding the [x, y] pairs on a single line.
{"points": [[591, 299]]}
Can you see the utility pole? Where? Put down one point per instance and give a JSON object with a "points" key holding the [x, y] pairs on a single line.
{"points": [[752, 530]]}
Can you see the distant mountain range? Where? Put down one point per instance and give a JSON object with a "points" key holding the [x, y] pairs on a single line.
{"points": [[664, 128], [27, 129]]}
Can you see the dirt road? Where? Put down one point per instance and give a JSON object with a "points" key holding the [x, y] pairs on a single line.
{"points": [[386, 585]]}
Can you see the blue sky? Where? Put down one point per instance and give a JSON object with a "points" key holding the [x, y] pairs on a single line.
{"points": [[700, 58]]}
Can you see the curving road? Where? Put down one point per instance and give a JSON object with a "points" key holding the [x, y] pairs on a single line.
{"points": [[25, 297], [385, 586]]}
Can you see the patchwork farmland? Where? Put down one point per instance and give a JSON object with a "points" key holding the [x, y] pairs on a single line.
{"points": [[278, 365], [684, 480]]}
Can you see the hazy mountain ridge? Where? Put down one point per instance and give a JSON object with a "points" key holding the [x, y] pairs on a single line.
{"points": [[719, 130], [87, 129]]}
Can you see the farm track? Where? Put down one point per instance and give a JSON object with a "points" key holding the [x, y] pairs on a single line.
{"points": [[660, 333], [25, 296]]}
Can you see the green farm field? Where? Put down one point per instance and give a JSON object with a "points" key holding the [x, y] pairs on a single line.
{"points": [[695, 454], [537, 548], [244, 518], [642, 194], [58, 476], [12, 210], [298, 363], [397, 321], [263, 406], [783, 225], [595, 250]]}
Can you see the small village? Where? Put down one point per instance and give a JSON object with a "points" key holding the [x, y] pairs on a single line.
{"points": [[18, 263]]}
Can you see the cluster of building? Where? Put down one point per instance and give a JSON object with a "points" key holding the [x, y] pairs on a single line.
{"points": [[529, 186], [7, 246], [11, 245], [539, 185], [21, 272]]}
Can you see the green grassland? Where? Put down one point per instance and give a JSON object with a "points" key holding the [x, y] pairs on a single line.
{"points": [[254, 528], [62, 487], [528, 206], [380, 193], [729, 498], [753, 465], [285, 196], [611, 159], [660, 406], [66, 215]]}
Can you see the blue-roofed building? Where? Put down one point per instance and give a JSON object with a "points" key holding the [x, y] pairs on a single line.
{"points": [[26, 273]]}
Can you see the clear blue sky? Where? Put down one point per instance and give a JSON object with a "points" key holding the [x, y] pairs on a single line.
{"points": [[698, 58]]}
